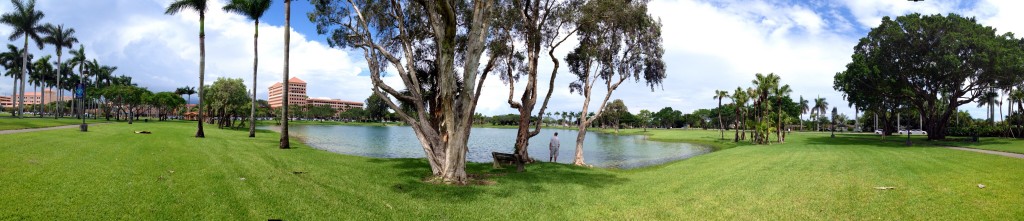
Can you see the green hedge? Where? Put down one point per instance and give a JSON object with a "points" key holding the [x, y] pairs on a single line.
{"points": [[983, 131]]}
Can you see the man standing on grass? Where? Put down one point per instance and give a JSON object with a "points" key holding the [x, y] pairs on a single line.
{"points": [[554, 148]]}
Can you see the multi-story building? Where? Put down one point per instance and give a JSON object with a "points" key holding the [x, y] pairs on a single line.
{"points": [[31, 98], [297, 96], [337, 104], [5, 101]]}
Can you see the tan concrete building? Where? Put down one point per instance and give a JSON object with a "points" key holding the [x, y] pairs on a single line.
{"points": [[32, 98], [297, 96], [337, 104], [5, 101]]}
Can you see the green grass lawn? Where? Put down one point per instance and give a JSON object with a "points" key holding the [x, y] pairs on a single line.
{"points": [[111, 172], [9, 123]]}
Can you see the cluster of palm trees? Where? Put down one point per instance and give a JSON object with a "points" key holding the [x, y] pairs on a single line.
{"points": [[252, 9], [764, 115], [564, 116], [27, 25]]}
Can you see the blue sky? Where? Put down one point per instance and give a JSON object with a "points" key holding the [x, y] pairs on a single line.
{"points": [[710, 45]]}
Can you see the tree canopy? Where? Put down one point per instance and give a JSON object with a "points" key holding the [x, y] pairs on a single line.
{"points": [[932, 64]]}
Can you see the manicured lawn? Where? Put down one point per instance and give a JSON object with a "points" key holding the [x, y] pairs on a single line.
{"points": [[110, 172], [9, 123]]}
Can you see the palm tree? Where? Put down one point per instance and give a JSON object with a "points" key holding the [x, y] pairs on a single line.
{"points": [[78, 59], [719, 95], [11, 60], [189, 91], [804, 108], [287, 47], [739, 99], [40, 71], [200, 7], [820, 106], [781, 92], [61, 38], [989, 99], [253, 9], [24, 21]]}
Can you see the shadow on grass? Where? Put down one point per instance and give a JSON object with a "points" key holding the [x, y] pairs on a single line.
{"points": [[538, 178]]}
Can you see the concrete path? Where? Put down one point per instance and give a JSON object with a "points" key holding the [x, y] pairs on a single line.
{"points": [[1000, 153], [38, 129]]}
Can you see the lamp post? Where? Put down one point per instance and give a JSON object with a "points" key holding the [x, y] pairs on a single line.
{"points": [[81, 94]]}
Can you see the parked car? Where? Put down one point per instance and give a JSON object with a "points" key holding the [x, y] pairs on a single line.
{"points": [[879, 132], [914, 132]]}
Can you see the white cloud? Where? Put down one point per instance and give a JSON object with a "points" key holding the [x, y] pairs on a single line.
{"points": [[162, 51], [710, 45]]}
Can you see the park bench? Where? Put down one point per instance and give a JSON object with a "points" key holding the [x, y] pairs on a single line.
{"points": [[504, 158]]}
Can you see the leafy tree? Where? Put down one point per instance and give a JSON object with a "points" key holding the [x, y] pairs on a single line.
{"points": [[424, 42], [616, 110], [645, 116], [200, 7], [166, 103], [227, 99], [534, 26], [618, 41], [376, 107], [937, 63], [356, 114], [252, 9]]}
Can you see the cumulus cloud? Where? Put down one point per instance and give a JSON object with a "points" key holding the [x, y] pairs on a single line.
{"points": [[161, 51]]}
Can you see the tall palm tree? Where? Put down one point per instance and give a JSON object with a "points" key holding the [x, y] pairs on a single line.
{"points": [[24, 21], [40, 71], [804, 108], [78, 59], [739, 99], [284, 112], [820, 106], [719, 95], [781, 92], [253, 9], [11, 60], [61, 38], [990, 99], [200, 7]]}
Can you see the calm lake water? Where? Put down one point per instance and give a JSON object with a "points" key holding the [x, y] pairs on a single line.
{"points": [[602, 150]]}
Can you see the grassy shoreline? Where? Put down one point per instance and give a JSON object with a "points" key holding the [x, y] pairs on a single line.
{"points": [[111, 173]]}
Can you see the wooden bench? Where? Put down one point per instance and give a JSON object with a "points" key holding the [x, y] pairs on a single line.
{"points": [[504, 158]]}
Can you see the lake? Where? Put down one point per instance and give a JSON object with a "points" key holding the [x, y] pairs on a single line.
{"points": [[601, 150]]}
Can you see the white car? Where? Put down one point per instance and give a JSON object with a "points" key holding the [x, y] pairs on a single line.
{"points": [[914, 132], [879, 132]]}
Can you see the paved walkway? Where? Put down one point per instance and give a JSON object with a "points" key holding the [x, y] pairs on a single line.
{"points": [[1000, 153], [38, 129]]}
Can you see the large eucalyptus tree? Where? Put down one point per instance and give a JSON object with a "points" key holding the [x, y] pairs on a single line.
{"points": [[435, 47], [618, 40], [200, 7]]}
